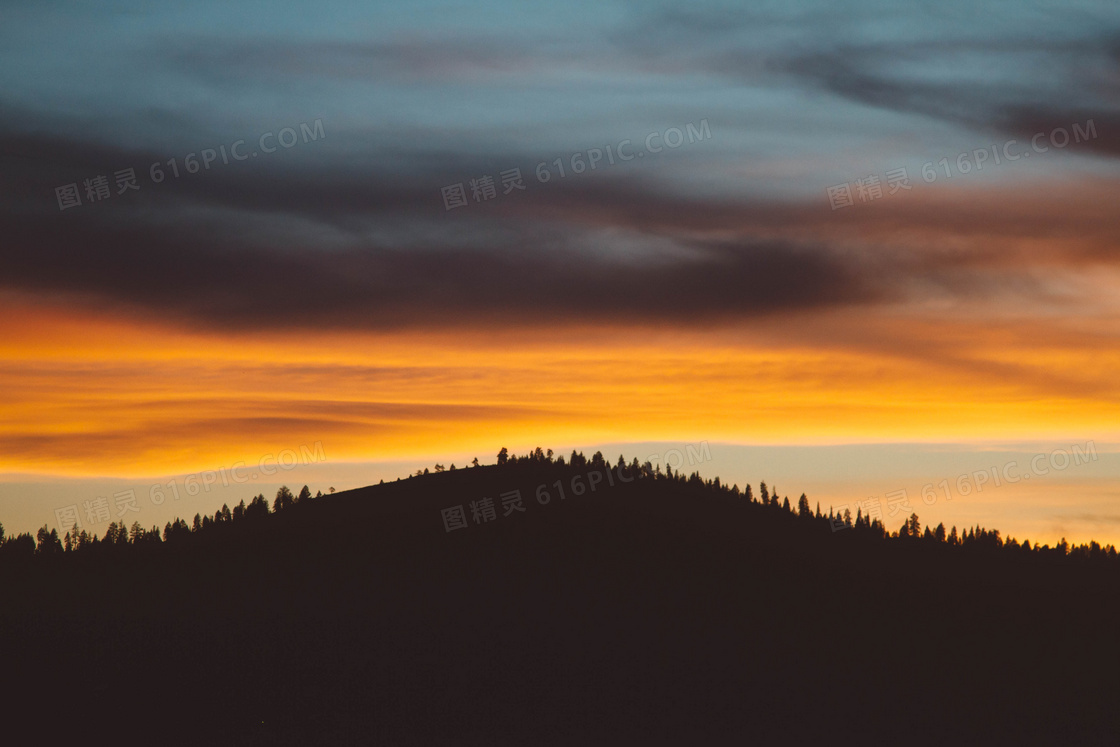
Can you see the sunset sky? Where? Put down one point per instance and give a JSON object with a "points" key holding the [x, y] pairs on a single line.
{"points": [[882, 253]]}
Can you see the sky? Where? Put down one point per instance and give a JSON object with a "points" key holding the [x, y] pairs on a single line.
{"points": [[826, 239]]}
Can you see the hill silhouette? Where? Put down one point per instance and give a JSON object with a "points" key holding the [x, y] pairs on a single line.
{"points": [[606, 603]]}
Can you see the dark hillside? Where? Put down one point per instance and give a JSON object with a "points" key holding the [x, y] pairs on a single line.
{"points": [[656, 611]]}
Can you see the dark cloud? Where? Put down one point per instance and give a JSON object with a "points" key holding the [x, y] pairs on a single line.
{"points": [[1063, 128], [330, 242], [184, 250], [197, 277], [1089, 67]]}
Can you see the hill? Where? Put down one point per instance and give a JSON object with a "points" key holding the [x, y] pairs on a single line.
{"points": [[610, 604]]}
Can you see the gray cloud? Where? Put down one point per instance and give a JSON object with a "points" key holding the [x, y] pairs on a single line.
{"points": [[1087, 70]]}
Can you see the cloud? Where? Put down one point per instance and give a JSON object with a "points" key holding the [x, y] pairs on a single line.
{"points": [[1083, 79], [320, 243], [244, 247]]}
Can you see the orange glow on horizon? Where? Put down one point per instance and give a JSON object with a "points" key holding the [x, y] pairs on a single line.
{"points": [[122, 398]]}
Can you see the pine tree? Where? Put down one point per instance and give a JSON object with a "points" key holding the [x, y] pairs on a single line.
{"points": [[284, 499]]}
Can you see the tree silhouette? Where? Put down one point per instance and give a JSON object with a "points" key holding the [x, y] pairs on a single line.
{"points": [[21, 546], [284, 499], [803, 509], [503, 456], [257, 508], [47, 542]]}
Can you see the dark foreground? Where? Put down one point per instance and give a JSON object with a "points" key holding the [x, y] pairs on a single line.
{"points": [[654, 612]]}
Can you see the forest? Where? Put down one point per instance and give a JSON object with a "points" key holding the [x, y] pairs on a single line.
{"points": [[47, 543], [551, 600]]}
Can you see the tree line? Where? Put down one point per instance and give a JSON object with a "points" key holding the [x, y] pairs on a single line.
{"points": [[46, 542], [911, 529]]}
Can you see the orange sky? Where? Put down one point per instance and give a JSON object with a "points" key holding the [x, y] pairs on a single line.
{"points": [[104, 397]]}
